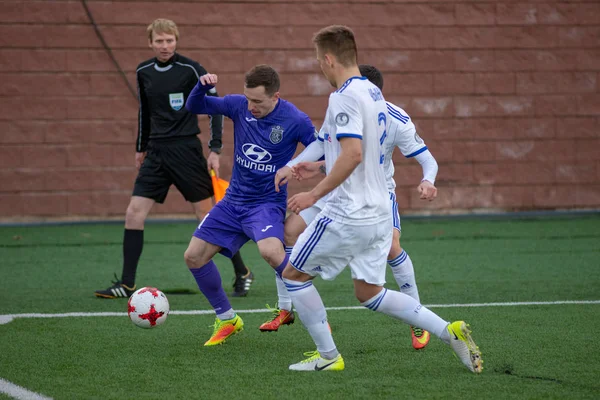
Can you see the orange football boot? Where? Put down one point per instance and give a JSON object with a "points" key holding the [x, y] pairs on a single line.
{"points": [[280, 317], [420, 337]]}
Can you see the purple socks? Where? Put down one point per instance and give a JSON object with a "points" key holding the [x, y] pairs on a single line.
{"points": [[279, 270], [209, 283]]}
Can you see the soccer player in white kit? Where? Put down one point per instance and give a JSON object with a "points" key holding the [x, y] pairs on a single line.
{"points": [[355, 227], [401, 133]]}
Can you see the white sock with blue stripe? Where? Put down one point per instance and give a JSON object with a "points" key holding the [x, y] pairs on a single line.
{"points": [[284, 301], [404, 273], [311, 311], [407, 309]]}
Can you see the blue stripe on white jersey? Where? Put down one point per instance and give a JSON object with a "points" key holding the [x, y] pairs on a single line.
{"points": [[397, 115], [345, 84], [351, 135], [422, 149]]}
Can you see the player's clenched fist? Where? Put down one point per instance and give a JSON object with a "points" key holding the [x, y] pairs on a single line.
{"points": [[427, 191], [209, 79]]}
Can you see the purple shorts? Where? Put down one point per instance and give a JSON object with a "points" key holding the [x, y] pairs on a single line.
{"points": [[230, 226]]}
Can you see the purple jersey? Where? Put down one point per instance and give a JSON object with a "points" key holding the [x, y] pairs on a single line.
{"points": [[261, 146]]}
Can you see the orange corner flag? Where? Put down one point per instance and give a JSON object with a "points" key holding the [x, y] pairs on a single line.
{"points": [[219, 186]]}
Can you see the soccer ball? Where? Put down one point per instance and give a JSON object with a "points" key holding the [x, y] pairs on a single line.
{"points": [[148, 307]]}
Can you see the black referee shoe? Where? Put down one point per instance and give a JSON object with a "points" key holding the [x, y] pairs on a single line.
{"points": [[118, 289], [242, 283]]}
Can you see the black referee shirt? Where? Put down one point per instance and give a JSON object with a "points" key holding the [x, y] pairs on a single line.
{"points": [[163, 89]]}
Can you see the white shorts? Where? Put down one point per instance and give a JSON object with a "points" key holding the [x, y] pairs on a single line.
{"points": [[395, 213], [326, 247], [309, 214]]}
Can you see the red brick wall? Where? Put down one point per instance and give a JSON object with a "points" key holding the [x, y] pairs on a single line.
{"points": [[505, 93]]}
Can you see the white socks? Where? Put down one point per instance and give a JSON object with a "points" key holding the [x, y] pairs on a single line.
{"points": [[226, 315], [284, 301], [407, 309], [404, 273], [311, 311]]}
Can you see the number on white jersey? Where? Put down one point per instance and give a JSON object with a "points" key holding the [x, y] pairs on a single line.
{"points": [[381, 118]]}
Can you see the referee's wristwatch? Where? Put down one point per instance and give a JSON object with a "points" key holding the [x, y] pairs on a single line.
{"points": [[216, 150]]}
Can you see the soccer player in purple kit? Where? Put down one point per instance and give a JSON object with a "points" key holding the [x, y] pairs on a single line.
{"points": [[267, 130]]}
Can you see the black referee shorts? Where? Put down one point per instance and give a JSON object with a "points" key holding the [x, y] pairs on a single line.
{"points": [[176, 161]]}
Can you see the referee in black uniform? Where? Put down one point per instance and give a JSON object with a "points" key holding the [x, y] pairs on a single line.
{"points": [[168, 151]]}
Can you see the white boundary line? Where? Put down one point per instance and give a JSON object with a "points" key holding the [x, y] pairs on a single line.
{"points": [[19, 392], [5, 319]]}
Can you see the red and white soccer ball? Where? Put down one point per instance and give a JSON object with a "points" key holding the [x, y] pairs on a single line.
{"points": [[148, 307]]}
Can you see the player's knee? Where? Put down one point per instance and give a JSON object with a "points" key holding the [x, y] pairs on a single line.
{"points": [[395, 250], [289, 234], [362, 296], [294, 225], [293, 274], [193, 258], [289, 237], [365, 291], [288, 273], [271, 251], [134, 217], [270, 256], [189, 258]]}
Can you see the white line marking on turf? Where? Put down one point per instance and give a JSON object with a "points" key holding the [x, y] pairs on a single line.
{"points": [[19, 392], [5, 319]]}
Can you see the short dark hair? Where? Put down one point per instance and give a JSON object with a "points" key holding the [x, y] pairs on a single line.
{"points": [[372, 74], [263, 75], [339, 41]]}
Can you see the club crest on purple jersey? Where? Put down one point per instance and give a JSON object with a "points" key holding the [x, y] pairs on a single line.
{"points": [[276, 134]]}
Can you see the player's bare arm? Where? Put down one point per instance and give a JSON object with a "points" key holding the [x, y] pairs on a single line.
{"points": [[427, 191], [307, 170], [310, 154], [349, 158]]}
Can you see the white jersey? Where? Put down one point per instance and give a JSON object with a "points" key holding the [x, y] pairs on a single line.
{"points": [[402, 134], [357, 110]]}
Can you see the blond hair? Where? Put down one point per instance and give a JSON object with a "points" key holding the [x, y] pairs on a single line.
{"points": [[339, 41], [162, 25]]}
